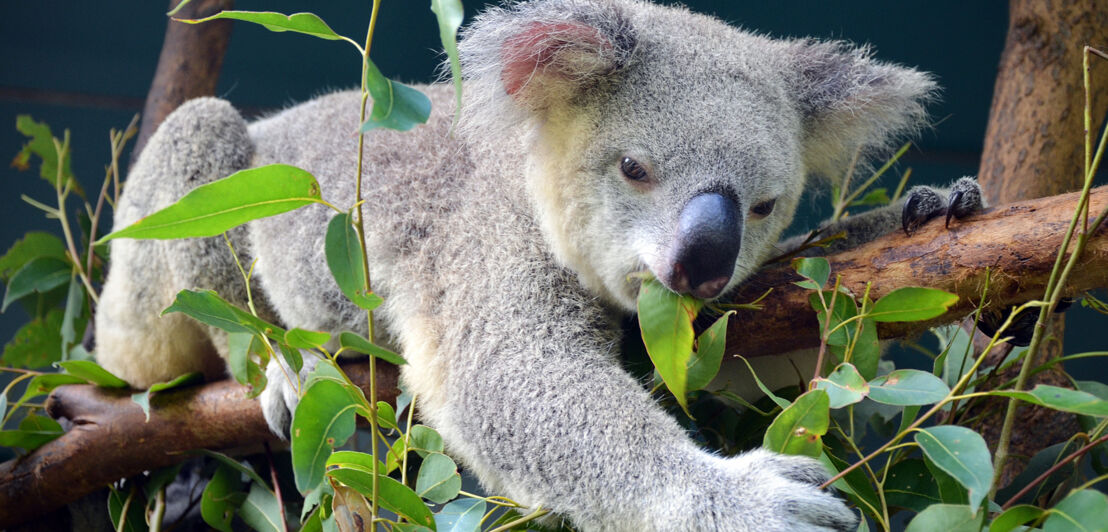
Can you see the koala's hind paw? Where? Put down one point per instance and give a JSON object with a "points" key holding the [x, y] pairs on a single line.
{"points": [[281, 395], [791, 483], [924, 203]]}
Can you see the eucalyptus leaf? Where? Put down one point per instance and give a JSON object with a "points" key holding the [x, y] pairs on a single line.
{"points": [[462, 515], [262, 511], [1058, 398], [947, 518], [1085, 510], [448, 14], [346, 262], [305, 339], [665, 319], [92, 372], [207, 307], [799, 428], [143, 398], [912, 303], [356, 342], [905, 387], [33, 245], [221, 498], [815, 269], [395, 105], [910, 485], [303, 23], [962, 454], [425, 440], [324, 419], [39, 275], [705, 361], [1015, 516], [393, 495], [211, 209], [438, 479], [844, 386]]}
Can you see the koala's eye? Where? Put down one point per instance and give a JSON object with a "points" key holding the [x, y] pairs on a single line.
{"points": [[763, 209], [633, 170]]}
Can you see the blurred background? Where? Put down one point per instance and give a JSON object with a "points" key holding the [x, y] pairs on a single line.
{"points": [[87, 67]]}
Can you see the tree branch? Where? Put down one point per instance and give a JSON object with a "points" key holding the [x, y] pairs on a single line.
{"points": [[112, 440]]}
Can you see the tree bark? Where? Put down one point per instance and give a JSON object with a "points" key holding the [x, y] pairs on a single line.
{"points": [[1035, 147], [1017, 243], [189, 64]]}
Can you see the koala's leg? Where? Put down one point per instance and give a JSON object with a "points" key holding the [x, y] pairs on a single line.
{"points": [[920, 204], [202, 141]]}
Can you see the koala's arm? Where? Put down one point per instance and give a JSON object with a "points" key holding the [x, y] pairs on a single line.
{"points": [[919, 205], [535, 402]]}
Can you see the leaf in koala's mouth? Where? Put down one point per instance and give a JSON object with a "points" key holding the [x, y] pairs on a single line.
{"points": [[211, 209], [665, 319]]}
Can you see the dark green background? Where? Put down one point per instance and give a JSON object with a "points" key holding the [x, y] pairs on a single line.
{"points": [[87, 66]]}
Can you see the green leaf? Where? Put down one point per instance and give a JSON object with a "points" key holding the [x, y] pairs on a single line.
{"points": [[462, 515], [815, 269], [92, 372], [37, 344], [304, 23], [305, 339], [136, 511], [33, 432], [424, 440], [394, 496], [72, 324], [1062, 399], [143, 398], [211, 209], [875, 197], [207, 307], [844, 386], [39, 275], [705, 361], [346, 261], [356, 342], [262, 511], [438, 478], [665, 319], [386, 416], [353, 460], [912, 303], [962, 454], [238, 355], [42, 145], [905, 387], [292, 357], [44, 384], [233, 464], [449, 15], [395, 105], [844, 309], [324, 419], [799, 428], [867, 349], [855, 485], [957, 356], [33, 245], [909, 485], [1085, 510], [947, 518], [222, 497], [1015, 516]]}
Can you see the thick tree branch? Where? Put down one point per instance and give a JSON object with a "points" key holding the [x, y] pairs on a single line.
{"points": [[112, 440]]}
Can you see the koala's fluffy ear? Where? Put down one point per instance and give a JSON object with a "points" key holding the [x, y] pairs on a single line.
{"points": [[852, 102], [532, 57]]}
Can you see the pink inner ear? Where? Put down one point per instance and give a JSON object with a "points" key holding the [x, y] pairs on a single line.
{"points": [[539, 45]]}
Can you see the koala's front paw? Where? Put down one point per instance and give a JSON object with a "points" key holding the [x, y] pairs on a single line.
{"points": [[282, 394], [924, 203], [789, 485]]}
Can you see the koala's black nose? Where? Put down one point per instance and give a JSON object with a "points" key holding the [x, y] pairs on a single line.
{"points": [[709, 233]]}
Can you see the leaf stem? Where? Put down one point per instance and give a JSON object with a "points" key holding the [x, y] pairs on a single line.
{"points": [[1046, 474]]}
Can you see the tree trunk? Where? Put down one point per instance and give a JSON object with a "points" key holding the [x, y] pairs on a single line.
{"points": [[1035, 147], [189, 65]]}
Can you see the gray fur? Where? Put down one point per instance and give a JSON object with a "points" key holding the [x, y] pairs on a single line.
{"points": [[504, 251]]}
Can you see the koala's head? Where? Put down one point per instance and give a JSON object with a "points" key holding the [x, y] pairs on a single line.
{"points": [[670, 142]]}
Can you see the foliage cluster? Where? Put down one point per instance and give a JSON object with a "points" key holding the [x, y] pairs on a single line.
{"points": [[925, 461]]}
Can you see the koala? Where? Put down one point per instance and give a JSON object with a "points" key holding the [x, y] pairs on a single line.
{"points": [[598, 139]]}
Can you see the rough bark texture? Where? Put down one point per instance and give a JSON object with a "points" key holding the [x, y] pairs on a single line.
{"points": [[1035, 147], [111, 438], [1017, 242], [189, 64]]}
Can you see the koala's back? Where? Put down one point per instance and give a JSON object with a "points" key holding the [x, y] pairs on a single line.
{"points": [[426, 192]]}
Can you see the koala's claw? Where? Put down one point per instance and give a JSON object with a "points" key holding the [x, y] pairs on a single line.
{"points": [[796, 493], [924, 203]]}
